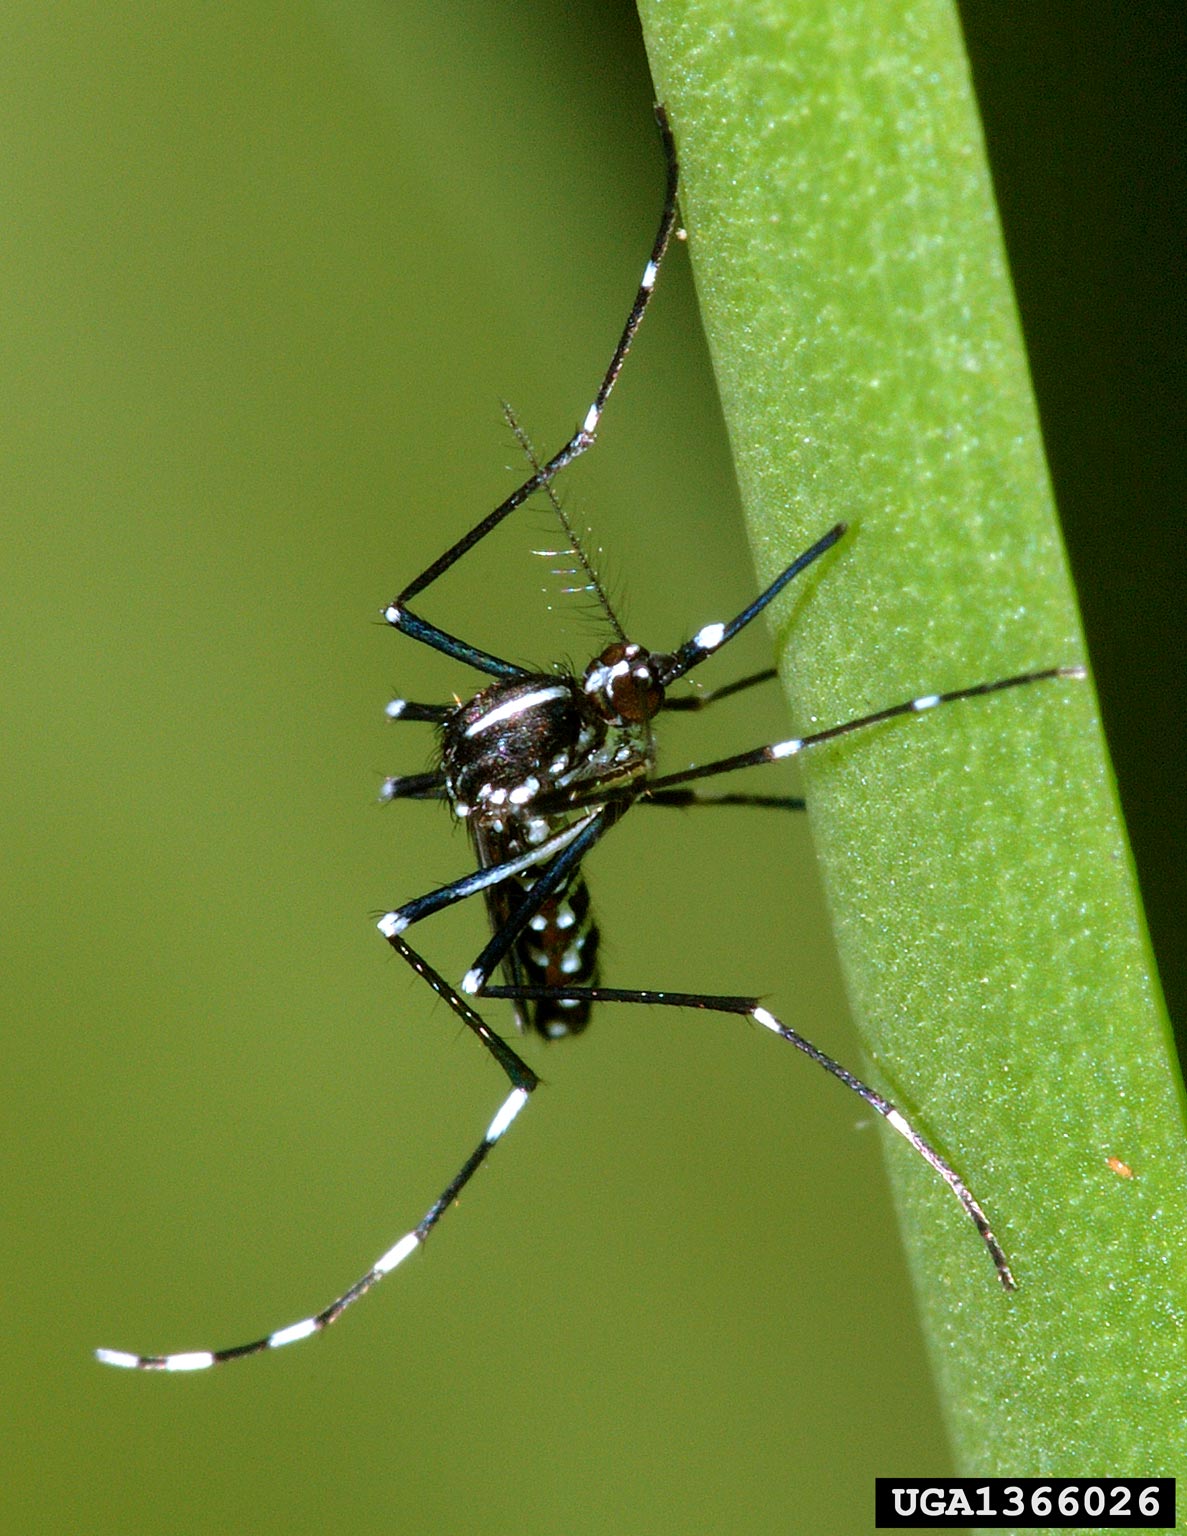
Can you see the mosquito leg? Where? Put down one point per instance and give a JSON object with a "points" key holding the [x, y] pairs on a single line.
{"points": [[523, 1082], [749, 1007], [405, 709], [554, 878], [797, 744], [413, 786], [694, 701], [711, 637], [577, 836], [687, 797], [416, 786], [397, 613]]}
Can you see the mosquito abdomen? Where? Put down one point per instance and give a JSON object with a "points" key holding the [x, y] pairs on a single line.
{"points": [[560, 949]]}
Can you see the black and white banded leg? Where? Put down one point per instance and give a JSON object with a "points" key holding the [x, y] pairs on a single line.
{"points": [[397, 612], [794, 745], [665, 790], [566, 860], [751, 1008], [540, 765], [523, 1081]]}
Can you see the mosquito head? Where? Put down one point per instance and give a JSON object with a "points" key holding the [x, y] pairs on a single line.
{"points": [[623, 684]]}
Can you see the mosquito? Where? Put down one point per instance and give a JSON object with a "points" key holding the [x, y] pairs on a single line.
{"points": [[540, 766]]}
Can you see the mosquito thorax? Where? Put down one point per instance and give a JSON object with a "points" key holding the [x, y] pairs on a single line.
{"points": [[623, 684], [516, 741]]}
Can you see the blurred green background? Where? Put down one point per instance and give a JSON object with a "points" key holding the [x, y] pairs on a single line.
{"points": [[267, 274]]}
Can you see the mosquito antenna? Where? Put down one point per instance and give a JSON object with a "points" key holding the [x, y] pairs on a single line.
{"points": [[594, 582]]}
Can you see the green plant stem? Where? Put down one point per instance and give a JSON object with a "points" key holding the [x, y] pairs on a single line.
{"points": [[859, 312]]}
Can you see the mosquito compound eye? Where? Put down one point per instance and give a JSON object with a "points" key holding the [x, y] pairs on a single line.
{"points": [[622, 684], [637, 695]]}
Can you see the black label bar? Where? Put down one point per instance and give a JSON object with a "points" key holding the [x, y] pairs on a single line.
{"points": [[1054, 1503]]}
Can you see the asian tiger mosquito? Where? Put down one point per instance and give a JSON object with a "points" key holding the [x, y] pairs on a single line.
{"points": [[540, 766]]}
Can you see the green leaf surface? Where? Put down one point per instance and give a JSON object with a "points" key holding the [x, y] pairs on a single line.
{"points": [[859, 311]]}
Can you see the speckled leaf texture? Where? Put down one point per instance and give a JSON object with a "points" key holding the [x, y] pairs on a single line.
{"points": [[858, 306]]}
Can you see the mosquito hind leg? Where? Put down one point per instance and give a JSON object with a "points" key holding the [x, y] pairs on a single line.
{"points": [[523, 1082], [750, 1007]]}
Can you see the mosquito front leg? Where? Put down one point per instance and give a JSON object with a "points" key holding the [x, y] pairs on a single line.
{"points": [[709, 639]]}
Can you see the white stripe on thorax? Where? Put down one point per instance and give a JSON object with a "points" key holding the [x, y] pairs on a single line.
{"points": [[519, 706]]}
